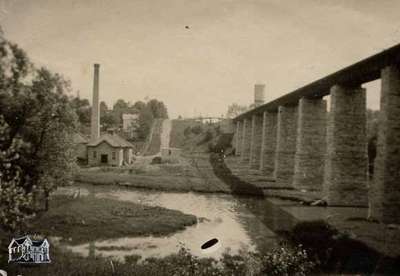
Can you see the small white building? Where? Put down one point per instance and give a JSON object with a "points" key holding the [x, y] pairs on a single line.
{"points": [[110, 149], [129, 122]]}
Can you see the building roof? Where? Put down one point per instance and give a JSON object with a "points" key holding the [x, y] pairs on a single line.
{"points": [[19, 241], [113, 140], [78, 138]]}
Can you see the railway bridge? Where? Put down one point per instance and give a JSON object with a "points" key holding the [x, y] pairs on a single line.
{"points": [[299, 141]]}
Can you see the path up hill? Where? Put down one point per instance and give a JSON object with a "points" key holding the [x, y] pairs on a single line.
{"points": [[153, 143], [195, 136]]}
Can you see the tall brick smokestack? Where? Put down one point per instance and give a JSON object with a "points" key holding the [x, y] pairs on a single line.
{"points": [[95, 122], [259, 95]]}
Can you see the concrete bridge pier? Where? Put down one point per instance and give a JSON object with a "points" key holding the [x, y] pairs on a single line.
{"points": [[346, 166], [385, 189], [310, 145], [286, 144], [255, 143], [238, 137], [246, 139], [268, 143]]}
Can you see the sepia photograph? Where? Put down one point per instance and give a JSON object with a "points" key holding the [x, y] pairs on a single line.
{"points": [[199, 137]]}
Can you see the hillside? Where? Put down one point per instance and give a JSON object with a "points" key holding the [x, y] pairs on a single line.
{"points": [[193, 136], [153, 143]]}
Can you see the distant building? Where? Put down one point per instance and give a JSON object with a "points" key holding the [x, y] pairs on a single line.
{"points": [[129, 121], [208, 120], [106, 149], [25, 250], [109, 149]]}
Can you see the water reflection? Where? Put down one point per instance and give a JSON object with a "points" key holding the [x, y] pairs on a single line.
{"points": [[220, 216]]}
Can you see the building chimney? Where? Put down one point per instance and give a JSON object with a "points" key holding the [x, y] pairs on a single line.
{"points": [[259, 96], [95, 122]]}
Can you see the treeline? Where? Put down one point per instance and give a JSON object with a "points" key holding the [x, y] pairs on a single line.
{"points": [[112, 118], [37, 122]]}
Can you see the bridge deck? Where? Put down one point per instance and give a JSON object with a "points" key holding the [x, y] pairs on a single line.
{"points": [[358, 73]]}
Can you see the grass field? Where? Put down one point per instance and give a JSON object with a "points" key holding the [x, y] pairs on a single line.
{"points": [[88, 218], [85, 219], [186, 174]]}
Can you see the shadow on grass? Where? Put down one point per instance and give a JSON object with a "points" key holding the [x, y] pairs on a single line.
{"points": [[338, 253], [333, 251], [237, 186]]}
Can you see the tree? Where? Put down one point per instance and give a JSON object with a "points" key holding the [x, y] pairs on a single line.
{"points": [[235, 109], [146, 119], [120, 105], [103, 108], [158, 109], [108, 120], [83, 109], [139, 106], [119, 108], [148, 112], [37, 123], [15, 203]]}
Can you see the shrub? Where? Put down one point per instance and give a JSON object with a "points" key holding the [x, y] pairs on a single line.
{"points": [[286, 261], [187, 131], [156, 160], [208, 136], [15, 201], [281, 261], [316, 237], [197, 129]]}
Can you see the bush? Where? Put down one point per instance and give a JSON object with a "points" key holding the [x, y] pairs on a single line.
{"points": [[156, 160], [187, 131], [15, 201], [286, 261], [208, 136], [197, 129], [316, 237], [280, 261]]}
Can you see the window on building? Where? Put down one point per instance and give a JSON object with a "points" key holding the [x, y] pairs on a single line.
{"points": [[113, 155], [94, 154]]}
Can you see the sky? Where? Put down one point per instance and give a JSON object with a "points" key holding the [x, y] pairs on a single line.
{"points": [[146, 51]]}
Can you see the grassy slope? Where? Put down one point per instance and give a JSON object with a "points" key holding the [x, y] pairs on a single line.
{"points": [[177, 132]]}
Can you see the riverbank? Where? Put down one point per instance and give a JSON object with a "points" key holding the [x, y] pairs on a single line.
{"points": [[84, 214], [88, 218], [192, 172], [74, 219], [382, 240], [184, 174], [286, 260]]}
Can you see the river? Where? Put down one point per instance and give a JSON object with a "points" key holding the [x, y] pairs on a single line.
{"points": [[229, 219]]}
